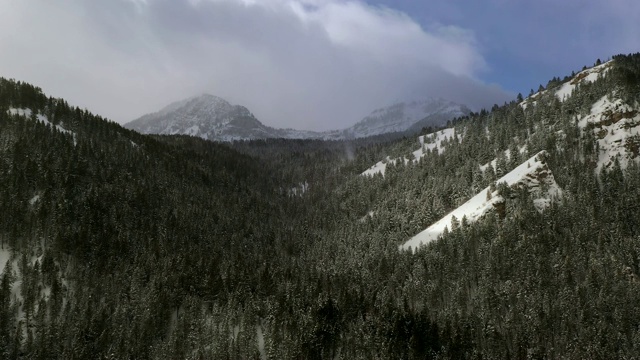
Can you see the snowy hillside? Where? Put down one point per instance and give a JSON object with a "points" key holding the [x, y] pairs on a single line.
{"points": [[27, 113], [588, 75], [412, 115], [427, 143], [613, 122], [615, 126], [531, 174], [565, 90]]}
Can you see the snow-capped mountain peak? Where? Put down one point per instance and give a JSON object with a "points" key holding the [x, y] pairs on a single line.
{"points": [[204, 103], [206, 116]]}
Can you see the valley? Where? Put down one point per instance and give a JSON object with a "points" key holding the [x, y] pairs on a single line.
{"points": [[503, 233]]}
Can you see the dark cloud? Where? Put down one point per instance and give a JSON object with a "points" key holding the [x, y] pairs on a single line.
{"points": [[308, 64]]}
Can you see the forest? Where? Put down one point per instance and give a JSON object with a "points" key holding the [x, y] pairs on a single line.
{"points": [[118, 245]]}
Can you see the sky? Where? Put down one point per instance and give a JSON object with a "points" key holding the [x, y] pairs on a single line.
{"points": [[304, 64]]}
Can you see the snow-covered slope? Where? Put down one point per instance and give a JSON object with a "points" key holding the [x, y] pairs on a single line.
{"points": [[411, 115], [616, 128], [531, 174], [614, 123], [27, 113], [427, 142], [565, 90], [588, 75]]}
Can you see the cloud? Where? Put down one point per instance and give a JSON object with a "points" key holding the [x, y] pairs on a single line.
{"points": [[308, 64], [529, 42]]}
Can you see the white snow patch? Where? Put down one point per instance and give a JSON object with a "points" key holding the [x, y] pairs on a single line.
{"points": [[379, 167], [434, 140], [369, 215], [523, 149], [588, 75], [34, 199], [491, 163], [507, 153], [43, 119], [260, 337], [616, 126], [16, 296], [5, 255], [299, 190], [20, 112], [566, 89], [525, 104], [530, 100], [531, 174], [193, 130]]}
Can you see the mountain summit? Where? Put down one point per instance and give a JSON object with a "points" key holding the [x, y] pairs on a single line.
{"points": [[205, 116], [214, 118]]}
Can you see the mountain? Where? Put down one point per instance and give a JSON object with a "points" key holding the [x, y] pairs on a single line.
{"points": [[213, 118], [607, 117], [407, 116], [522, 224]]}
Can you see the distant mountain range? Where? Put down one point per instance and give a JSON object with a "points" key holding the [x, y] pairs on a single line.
{"points": [[213, 118]]}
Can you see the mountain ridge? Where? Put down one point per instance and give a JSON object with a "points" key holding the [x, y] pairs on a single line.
{"points": [[213, 118]]}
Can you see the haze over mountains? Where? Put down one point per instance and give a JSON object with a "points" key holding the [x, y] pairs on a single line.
{"points": [[213, 118]]}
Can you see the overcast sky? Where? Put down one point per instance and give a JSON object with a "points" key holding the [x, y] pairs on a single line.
{"points": [[306, 64]]}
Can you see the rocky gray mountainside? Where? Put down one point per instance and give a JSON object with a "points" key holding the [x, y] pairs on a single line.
{"points": [[213, 118]]}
